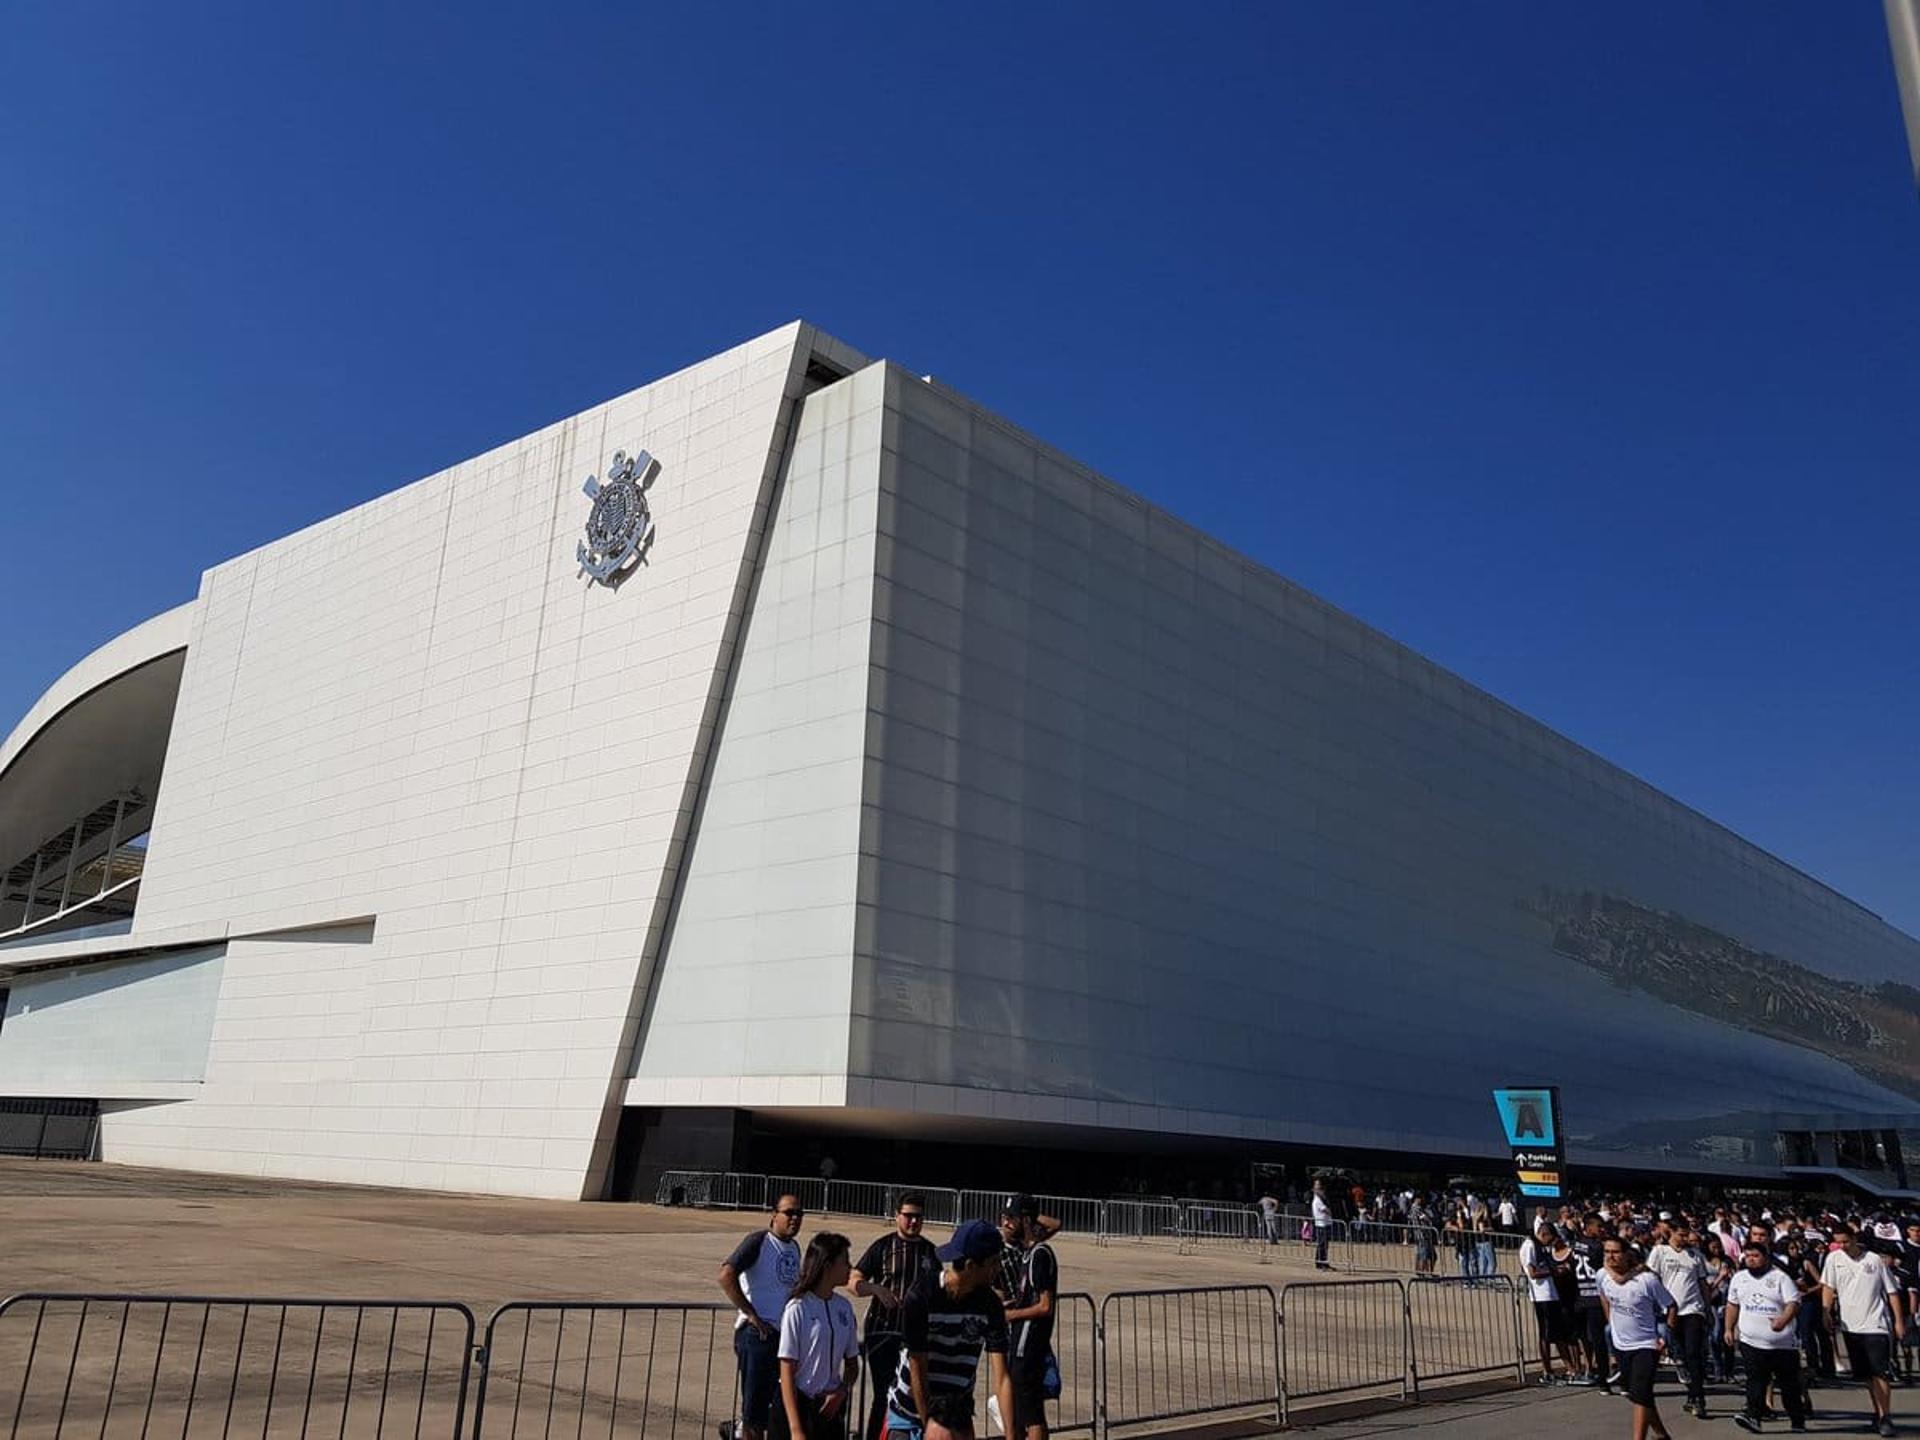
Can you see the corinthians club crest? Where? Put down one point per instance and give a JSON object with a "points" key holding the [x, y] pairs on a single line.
{"points": [[620, 526]]}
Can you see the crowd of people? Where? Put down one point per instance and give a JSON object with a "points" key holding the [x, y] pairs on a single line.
{"points": [[1773, 1300], [935, 1311], [1779, 1300], [1472, 1227]]}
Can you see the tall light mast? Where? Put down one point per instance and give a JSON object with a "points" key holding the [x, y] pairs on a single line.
{"points": [[1903, 32]]}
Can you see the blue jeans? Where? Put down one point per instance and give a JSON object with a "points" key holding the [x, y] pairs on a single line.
{"points": [[1721, 1353], [759, 1374], [1321, 1235]]}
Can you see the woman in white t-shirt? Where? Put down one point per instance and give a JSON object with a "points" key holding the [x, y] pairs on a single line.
{"points": [[819, 1346]]}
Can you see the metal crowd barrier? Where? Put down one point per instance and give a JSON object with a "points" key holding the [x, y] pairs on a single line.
{"points": [[193, 1366], [1201, 1223], [810, 1192], [1076, 1346], [113, 1367], [1188, 1223], [607, 1368], [1172, 1354], [871, 1199], [1461, 1328], [942, 1206], [1141, 1220], [1344, 1337], [711, 1190]]}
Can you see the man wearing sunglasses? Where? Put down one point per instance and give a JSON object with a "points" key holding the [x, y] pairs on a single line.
{"points": [[891, 1266], [757, 1278]]}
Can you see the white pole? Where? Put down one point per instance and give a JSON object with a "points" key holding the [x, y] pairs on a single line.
{"points": [[1903, 33]]}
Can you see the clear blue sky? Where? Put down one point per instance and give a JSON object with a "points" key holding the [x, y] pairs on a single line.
{"points": [[1576, 346]]}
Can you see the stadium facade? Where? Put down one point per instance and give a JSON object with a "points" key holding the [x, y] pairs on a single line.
{"points": [[850, 765]]}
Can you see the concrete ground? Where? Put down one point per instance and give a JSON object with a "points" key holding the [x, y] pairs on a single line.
{"points": [[78, 1226], [100, 1228], [1584, 1415]]}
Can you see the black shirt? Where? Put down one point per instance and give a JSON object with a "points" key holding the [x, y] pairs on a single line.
{"points": [[1566, 1276], [1907, 1265], [895, 1262], [1589, 1259], [1039, 1275]]}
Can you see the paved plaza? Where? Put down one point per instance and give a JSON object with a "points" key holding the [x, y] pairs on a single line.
{"points": [[1581, 1415], [111, 1228], [121, 1227], [102, 1229]]}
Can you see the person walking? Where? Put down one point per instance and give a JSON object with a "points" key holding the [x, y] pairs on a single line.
{"points": [[757, 1278], [1861, 1289], [1683, 1270], [888, 1269], [948, 1321], [1907, 1266], [819, 1346], [1762, 1304], [1636, 1303], [1720, 1272], [1270, 1217], [1803, 1262], [1322, 1225]]}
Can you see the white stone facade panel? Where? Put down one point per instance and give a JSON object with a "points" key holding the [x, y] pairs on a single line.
{"points": [[110, 1029], [419, 711], [756, 975]]}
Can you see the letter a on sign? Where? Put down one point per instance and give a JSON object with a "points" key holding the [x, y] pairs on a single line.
{"points": [[1531, 1119], [1527, 1116]]}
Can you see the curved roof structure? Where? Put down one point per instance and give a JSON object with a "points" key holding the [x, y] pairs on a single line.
{"points": [[100, 730]]}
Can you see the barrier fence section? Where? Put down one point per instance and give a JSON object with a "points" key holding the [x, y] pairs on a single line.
{"points": [[711, 1190], [578, 1368], [1461, 1328], [193, 1366], [811, 1193], [1170, 1354], [981, 1204], [942, 1206], [1344, 1337], [1076, 1346], [865, 1198], [1202, 1222], [1189, 1224], [1142, 1220]]}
